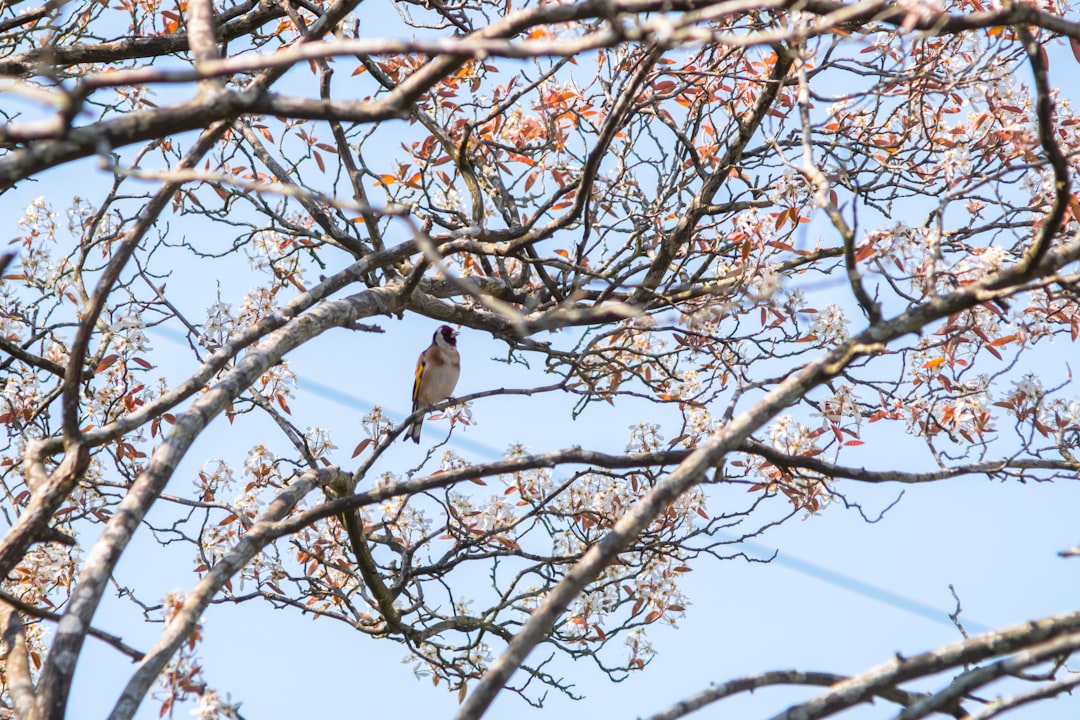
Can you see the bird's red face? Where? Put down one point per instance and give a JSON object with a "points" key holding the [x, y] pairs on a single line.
{"points": [[449, 335]]}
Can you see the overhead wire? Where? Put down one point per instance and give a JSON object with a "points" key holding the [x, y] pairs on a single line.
{"points": [[784, 559]]}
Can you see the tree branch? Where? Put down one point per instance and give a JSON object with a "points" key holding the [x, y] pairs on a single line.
{"points": [[751, 683], [187, 617], [1042, 638], [20, 683]]}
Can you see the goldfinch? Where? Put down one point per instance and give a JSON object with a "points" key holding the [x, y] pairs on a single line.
{"points": [[437, 373]]}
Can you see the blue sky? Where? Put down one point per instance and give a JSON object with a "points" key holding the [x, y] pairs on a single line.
{"points": [[842, 596]]}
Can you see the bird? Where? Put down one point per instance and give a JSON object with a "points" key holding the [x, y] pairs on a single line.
{"points": [[437, 371]]}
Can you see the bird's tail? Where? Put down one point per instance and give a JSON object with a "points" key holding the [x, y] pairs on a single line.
{"points": [[413, 431]]}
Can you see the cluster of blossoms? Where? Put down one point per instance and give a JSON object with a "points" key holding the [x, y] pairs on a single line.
{"points": [[127, 336], [183, 680], [215, 476], [46, 571], [965, 415], [39, 222], [319, 442], [980, 262], [219, 324], [376, 424], [1026, 396], [267, 249], [256, 304], [791, 437], [407, 523], [830, 325], [644, 438], [842, 404]]}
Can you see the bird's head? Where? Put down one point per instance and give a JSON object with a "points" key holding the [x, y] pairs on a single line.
{"points": [[446, 336]]}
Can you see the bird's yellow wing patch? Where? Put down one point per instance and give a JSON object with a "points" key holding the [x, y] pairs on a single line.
{"points": [[416, 380]]}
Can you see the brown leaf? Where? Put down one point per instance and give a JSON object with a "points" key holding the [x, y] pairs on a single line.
{"points": [[106, 363], [360, 448]]}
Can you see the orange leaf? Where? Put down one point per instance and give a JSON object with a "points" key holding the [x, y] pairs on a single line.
{"points": [[507, 542]]}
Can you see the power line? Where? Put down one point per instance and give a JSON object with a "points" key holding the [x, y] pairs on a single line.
{"points": [[791, 562]]}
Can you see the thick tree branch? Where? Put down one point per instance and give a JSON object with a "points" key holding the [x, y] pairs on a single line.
{"points": [[184, 621], [56, 676], [1044, 108], [102, 558], [233, 23], [1042, 638], [751, 683], [692, 470], [33, 611], [20, 683]]}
